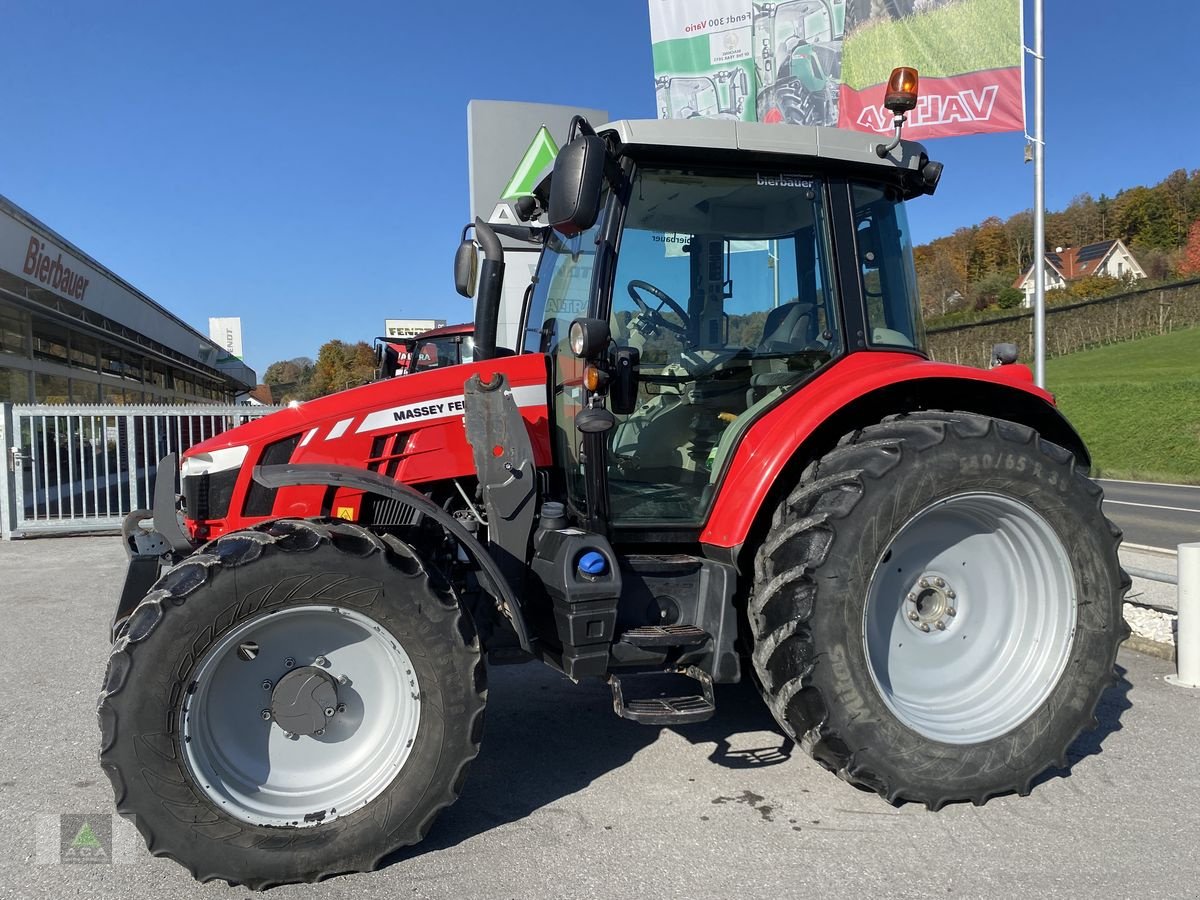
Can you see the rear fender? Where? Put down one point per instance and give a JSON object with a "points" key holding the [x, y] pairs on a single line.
{"points": [[862, 390], [352, 478]]}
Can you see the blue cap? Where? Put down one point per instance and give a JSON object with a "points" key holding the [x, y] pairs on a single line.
{"points": [[592, 563]]}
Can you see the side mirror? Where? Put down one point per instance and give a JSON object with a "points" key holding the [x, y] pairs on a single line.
{"points": [[576, 184], [387, 360], [622, 391], [466, 267]]}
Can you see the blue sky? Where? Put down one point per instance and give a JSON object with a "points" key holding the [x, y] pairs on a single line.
{"points": [[303, 165]]}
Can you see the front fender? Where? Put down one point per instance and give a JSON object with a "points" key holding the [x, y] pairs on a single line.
{"points": [[493, 580]]}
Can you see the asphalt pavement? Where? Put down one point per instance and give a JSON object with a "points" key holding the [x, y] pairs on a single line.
{"points": [[566, 800], [1154, 515]]}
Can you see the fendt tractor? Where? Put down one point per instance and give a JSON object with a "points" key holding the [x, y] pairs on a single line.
{"points": [[721, 452], [449, 345]]}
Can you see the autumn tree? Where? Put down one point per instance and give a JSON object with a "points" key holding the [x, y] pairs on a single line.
{"points": [[1190, 264], [341, 365], [289, 378]]}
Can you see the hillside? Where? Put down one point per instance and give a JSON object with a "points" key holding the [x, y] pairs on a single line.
{"points": [[1137, 405], [974, 268]]}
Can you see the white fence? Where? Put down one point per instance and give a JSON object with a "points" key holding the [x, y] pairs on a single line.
{"points": [[72, 468]]}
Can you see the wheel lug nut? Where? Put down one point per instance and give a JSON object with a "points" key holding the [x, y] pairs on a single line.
{"points": [[329, 711], [319, 732], [941, 626], [951, 611], [290, 735], [950, 595], [940, 582], [913, 616], [289, 662], [266, 685], [911, 598], [924, 582], [924, 627], [341, 707], [265, 715], [320, 661], [343, 679]]}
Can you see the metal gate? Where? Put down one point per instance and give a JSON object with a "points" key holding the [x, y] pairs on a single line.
{"points": [[75, 468]]}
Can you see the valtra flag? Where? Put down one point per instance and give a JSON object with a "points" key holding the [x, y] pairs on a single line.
{"points": [[826, 62]]}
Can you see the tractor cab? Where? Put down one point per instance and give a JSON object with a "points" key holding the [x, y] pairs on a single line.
{"points": [[707, 293]]}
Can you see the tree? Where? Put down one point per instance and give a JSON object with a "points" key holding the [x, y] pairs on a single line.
{"points": [[986, 292], [1190, 264], [340, 365], [1010, 298], [289, 378]]}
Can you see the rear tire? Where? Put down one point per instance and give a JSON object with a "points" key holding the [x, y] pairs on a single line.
{"points": [[886, 682], [201, 773]]}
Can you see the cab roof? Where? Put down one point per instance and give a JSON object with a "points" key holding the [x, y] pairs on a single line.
{"points": [[836, 146]]}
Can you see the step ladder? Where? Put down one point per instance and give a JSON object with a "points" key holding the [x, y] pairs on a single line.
{"points": [[656, 709]]}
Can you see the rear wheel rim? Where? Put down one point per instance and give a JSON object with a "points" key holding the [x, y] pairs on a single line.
{"points": [[245, 762], [970, 618]]}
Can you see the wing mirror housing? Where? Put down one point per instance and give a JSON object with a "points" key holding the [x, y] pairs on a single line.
{"points": [[622, 391], [466, 266], [576, 185]]}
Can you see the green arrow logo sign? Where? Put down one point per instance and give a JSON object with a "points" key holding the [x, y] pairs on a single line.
{"points": [[538, 158], [86, 838]]}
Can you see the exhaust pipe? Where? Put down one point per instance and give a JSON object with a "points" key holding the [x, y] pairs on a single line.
{"points": [[491, 283]]}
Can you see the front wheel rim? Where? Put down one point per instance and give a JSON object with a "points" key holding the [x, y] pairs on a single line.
{"points": [[249, 766], [970, 617]]}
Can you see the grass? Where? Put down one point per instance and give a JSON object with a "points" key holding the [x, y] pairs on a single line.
{"points": [[1136, 404], [966, 36]]}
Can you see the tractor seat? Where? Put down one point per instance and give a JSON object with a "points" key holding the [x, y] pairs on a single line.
{"points": [[788, 327]]}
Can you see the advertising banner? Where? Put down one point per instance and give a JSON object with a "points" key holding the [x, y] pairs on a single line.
{"points": [[702, 59], [826, 62]]}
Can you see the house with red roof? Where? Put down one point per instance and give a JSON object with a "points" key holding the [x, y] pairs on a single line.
{"points": [[1066, 264]]}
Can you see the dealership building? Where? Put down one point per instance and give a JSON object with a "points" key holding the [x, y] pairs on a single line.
{"points": [[71, 331]]}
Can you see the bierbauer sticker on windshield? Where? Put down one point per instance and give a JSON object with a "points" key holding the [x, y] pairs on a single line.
{"points": [[782, 180]]}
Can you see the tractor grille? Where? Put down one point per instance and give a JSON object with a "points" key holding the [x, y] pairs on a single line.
{"points": [[260, 500], [389, 511], [386, 452]]}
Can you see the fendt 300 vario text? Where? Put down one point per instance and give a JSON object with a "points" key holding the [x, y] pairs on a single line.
{"points": [[721, 452]]}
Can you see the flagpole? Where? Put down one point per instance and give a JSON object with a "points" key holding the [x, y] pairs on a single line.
{"points": [[1039, 201]]}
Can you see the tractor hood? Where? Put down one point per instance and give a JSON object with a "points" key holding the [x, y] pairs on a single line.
{"points": [[410, 429], [385, 406]]}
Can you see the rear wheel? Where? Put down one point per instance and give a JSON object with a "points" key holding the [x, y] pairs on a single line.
{"points": [[291, 702], [938, 608]]}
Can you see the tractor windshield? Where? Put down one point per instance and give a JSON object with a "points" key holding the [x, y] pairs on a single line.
{"points": [[724, 284]]}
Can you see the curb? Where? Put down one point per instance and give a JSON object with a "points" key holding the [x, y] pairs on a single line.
{"points": [[1150, 648]]}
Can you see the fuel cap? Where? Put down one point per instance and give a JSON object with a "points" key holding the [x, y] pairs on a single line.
{"points": [[592, 563]]}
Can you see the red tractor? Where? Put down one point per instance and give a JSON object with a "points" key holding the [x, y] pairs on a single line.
{"points": [[723, 452], [449, 345]]}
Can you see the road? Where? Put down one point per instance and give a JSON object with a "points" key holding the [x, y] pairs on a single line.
{"points": [[1156, 515], [568, 801]]}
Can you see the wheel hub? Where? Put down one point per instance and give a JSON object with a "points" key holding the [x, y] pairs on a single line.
{"points": [[931, 603], [304, 701]]}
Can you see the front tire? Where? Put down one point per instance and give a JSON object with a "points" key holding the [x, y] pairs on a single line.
{"points": [[938, 607], [291, 702]]}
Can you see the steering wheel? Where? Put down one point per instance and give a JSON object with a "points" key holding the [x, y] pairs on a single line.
{"points": [[655, 315]]}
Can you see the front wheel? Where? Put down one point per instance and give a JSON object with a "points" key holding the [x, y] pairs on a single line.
{"points": [[937, 609], [291, 702]]}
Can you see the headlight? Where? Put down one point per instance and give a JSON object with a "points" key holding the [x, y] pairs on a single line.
{"points": [[213, 461]]}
